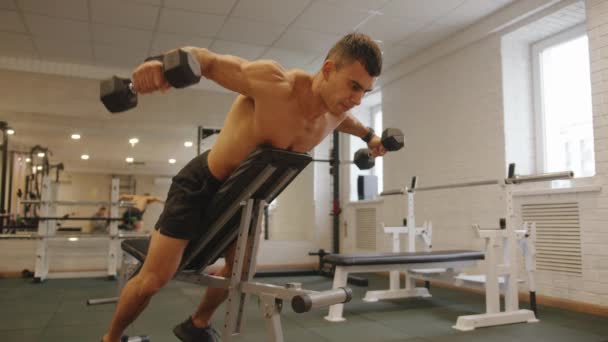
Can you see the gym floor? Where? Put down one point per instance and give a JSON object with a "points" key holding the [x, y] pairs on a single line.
{"points": [[56, 311]]}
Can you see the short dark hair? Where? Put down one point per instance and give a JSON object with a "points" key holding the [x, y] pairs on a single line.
{"points": [[357, 47]]}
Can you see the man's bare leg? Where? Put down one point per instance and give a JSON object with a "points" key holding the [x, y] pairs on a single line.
{"points": [[214, 297], [164, 256]]}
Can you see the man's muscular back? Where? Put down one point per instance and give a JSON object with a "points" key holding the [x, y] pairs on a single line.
{"points": [[285, 120]]}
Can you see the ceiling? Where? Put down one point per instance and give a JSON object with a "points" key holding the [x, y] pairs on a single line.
{"points": [[98, 35], [121, 33]]}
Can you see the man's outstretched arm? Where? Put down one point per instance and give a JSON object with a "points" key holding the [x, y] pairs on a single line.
{"points": [[152, 199], [250, 78], [353, 126], [255, 79]]}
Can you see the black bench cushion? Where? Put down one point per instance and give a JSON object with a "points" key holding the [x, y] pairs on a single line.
{"points": [[233, 191], [138, 248], [401, 258]]}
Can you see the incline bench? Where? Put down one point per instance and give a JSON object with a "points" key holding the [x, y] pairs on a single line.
{"points": [[235, 213]]}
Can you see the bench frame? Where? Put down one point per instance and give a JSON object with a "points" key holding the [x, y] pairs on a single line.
{"points": [[250, 202]]}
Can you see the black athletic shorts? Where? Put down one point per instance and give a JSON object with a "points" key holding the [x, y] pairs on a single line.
{"points": [[189, 195]]}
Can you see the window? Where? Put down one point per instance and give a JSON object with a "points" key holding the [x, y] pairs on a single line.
{"points": [[564, 119], [374, 121]]}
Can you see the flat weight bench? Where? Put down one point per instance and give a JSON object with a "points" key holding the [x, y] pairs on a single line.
{"points": [[381, 262], [235, 213]]}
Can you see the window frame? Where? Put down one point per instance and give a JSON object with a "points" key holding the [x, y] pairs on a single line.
{"points": [[537, 49]]}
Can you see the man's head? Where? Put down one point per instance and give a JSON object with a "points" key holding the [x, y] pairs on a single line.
{"points": [[349, 71]]}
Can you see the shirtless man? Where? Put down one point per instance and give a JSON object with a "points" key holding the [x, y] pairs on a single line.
{"points": [[98, 225], [288, 109], [133, 216]]}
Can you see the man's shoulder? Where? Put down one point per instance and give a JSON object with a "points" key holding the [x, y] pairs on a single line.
{"points": [[299, 79], [299, 75]]}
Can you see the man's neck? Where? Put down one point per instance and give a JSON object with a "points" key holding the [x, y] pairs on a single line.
{"points": [[317, 106]]}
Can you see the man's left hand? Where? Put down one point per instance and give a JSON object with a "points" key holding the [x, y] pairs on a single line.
{"points": [[375, 145]]}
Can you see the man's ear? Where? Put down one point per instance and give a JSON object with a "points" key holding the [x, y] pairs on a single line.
{"points": [[327, 68]]}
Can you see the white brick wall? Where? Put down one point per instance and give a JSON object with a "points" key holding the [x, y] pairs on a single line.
{"points": [[596, 209], [451, 114], [452, 111]]}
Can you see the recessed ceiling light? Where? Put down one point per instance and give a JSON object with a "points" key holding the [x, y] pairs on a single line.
{"points": [[129, 159], [40, 154], [39, 167], [75, 136], [188, 144], [84, 157], [10, 131], [28, 160], [172, 161], [133, 141]]}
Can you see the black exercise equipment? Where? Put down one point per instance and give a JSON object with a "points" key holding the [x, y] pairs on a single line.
{"points": [[180, 69], [404, 258], [327, 269], [235, 214], [392, 139], [4, 128], [364, 159], [72, 218]]}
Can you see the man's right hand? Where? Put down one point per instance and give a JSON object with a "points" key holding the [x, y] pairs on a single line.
{"points": [[148, 77]]}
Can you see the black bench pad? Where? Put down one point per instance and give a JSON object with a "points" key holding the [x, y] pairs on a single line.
{"points": [[204, 249], [402, 258], [138, 248]]}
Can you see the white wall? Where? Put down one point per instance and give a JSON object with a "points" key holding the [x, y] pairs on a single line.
{"points": [[293, 217], [595, 212], [452, 110], [323, 196], [451, 113]]}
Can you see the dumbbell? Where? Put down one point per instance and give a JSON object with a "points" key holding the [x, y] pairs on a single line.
{"points": [[392, 139], [180, 68]]}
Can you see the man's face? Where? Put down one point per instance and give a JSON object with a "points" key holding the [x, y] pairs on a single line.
{"points": [[346, 85]]}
